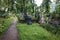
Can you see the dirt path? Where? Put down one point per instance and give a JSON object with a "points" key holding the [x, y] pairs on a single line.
{"points": [[12, 33]]}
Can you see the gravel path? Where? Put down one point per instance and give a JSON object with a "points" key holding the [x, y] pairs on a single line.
{"points": [[12, 33]]}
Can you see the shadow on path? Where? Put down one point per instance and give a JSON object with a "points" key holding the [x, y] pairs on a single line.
{"points": [[12, 33]]}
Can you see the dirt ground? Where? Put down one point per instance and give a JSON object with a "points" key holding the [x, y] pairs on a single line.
{"points": [[12, 32]]}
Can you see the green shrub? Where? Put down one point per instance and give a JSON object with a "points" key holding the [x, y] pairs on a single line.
{"points": [[5, 25], [51, 28], [1, 27], [1, 20], [58, 31]]}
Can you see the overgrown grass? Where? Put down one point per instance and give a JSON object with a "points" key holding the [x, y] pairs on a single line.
{"points": [[5, 25], [34, 32], [52, 28]]}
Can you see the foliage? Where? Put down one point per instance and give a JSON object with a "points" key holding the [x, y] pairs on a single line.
{"points": [[34, 32], [46, 5], [4, 26], [49, 27], [52, 28]]}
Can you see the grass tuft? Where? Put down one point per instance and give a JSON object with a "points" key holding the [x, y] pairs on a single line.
{"points": [[34, 32]]}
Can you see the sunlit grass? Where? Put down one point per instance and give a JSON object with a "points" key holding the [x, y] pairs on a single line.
{"points": [[33, 32]]}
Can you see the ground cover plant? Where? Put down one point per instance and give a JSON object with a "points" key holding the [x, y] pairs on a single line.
{"points": [[5, 23], [34, 32]]}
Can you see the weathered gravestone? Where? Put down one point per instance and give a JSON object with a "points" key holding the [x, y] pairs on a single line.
{"points": [[28, 19]]}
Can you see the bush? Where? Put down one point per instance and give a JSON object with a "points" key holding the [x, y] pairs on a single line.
{"points": [[1, 27], [5, 25], [1, 20], [53, 29], [58, 31], [49, 27]]}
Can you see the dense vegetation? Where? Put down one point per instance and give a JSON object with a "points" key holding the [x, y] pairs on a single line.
{"points": [[34, 32], [4, 24], [47, 15]]}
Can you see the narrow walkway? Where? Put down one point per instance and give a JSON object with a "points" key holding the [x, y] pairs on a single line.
{"points": [[12, 33]]}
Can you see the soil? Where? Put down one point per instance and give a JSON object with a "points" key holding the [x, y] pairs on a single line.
{"points": [[12, 32]]}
